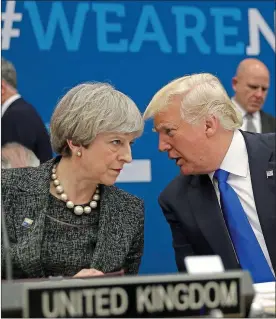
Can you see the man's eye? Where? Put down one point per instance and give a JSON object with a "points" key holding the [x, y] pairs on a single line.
{"points": [[253, 87], [168, 131], [116, 142]]}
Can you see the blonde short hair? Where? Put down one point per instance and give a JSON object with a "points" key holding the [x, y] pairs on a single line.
{"points": [[89, 109], [201, 95]]}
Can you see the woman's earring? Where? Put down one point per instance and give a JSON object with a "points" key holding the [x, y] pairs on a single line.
{"points": [[79, 153]]}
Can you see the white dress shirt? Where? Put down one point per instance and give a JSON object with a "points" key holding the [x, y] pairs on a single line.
{"points": [[236, 163], [256, 117], [9, 101]]}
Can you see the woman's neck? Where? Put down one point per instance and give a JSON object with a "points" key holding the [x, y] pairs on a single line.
{"points": [[78, 188]]}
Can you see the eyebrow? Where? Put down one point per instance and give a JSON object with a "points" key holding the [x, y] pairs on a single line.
{"points": [[257, 85], [164, 126], [159, 128]]}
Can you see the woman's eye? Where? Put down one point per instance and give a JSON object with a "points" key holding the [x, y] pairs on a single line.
{"points": [[116, 142]]}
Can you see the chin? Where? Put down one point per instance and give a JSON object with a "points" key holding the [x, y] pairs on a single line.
{"points": [[186, 171], [108, 182], [254, 108]]}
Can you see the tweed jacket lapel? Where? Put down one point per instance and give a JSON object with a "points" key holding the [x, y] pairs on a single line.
{"points": [[113, 242], [33, 196]]}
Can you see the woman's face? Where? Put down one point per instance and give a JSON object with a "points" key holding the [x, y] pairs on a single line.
{"points": [[105, 157]]}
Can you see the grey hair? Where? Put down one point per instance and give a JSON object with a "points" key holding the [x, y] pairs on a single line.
{"points": [[8, 73], [202, 95], [89, 109], [17, 155]]}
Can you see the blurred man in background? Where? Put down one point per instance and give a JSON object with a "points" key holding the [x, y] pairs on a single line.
{"points": [[251, 84], [15, 155], [20, 121]]}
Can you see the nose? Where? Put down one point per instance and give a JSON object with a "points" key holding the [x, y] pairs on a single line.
{"points": [[163, 146], [259, 93], [126, 154]]}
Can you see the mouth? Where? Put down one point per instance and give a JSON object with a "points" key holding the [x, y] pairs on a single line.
{"points": [[257, 103], [117, 169], [177, 161]]}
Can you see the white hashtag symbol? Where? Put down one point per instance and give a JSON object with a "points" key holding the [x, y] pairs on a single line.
{"points": [[8, 18]]}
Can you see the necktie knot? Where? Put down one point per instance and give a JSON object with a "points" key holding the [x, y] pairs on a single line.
{"points": [[221, 175], [250, 127], [249, 116]]}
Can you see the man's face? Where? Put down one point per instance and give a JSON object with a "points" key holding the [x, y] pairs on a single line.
{"points": [[186, 143], [251, 89]]}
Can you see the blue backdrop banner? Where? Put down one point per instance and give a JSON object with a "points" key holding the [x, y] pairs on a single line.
{"points": [[138, 47]]}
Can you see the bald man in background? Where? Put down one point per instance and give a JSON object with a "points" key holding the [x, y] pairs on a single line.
{"points": [[251, 84]]}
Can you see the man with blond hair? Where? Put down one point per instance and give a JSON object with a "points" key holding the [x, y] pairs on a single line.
{"points": [[223, 203]]}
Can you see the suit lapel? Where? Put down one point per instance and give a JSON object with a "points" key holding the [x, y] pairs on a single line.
{"points": [[264, 123], [261, 161], [209, 217]]}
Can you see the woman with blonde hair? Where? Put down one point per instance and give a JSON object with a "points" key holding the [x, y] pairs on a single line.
{"points": [[65, 217]]}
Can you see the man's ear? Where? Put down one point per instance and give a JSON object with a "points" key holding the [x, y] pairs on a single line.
{"points": [[211, 126], [234, 83]]}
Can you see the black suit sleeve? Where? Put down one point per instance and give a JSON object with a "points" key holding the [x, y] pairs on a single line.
{"points": [[181, 245]]}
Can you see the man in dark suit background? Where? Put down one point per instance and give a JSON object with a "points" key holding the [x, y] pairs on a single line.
{"points": [[251, 84], [20, 121], [223, 203]]}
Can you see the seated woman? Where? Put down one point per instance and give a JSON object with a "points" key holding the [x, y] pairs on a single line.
{"points": [[65, 217]]}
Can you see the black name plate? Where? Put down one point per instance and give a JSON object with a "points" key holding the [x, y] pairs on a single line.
{"points": [[129, 297]]}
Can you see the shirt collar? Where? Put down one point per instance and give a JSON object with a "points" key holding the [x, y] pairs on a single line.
{"points": [[9, 101], [255, 115], [236, 159]]}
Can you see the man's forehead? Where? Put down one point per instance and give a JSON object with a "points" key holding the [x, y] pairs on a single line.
{"points": [[166, 121]]}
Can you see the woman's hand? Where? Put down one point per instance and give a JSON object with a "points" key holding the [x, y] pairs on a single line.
{"points": [[88, 273]]}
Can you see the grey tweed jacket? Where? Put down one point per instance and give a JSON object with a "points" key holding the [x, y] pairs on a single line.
{"points": [[25, 192]]}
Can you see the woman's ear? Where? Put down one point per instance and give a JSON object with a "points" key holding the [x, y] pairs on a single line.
{"points": [[76, 149]]}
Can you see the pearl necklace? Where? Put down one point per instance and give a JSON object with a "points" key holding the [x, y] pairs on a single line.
{"points": [[78, 210]]}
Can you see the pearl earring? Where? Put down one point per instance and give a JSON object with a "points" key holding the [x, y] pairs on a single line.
{"points": [[79, 153]]}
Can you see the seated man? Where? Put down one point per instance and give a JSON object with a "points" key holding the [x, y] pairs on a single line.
{"points": [[224, 201]]}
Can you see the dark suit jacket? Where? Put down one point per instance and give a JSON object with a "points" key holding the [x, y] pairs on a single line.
{"points": [[22, 124], [268, 122], [25, 193], [191, 208]]}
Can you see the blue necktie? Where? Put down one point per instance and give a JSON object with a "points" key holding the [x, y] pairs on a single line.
{"points": [[247, 248]]}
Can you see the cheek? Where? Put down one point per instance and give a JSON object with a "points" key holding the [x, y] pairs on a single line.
{"points": [[186, 147], [249, 94], [109, 159]]}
